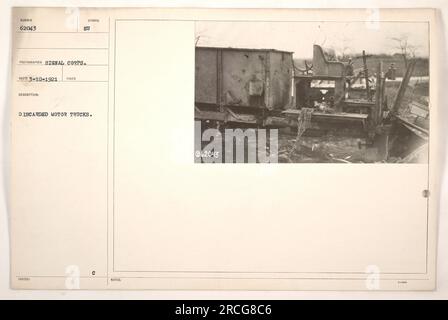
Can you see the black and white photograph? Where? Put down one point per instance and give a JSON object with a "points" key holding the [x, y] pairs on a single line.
{"points": [[311, 92]]}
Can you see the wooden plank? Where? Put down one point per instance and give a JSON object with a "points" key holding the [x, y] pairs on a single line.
{"points": [[418, 110], [366, 74], [209, 115], [403, 87], [419, 105], [317, 77], [343, 115], [421, 132], [361, 103], [225, 117], [252, 119], [377, 112], [336, 115]]}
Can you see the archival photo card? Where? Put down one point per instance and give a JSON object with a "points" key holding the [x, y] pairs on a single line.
{"points": [[118, 115]]}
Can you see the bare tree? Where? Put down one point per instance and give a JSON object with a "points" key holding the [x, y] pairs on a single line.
{"points": [[407, 50]]}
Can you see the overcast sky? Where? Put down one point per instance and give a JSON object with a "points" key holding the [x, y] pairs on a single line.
{"points": [[299, 37]]}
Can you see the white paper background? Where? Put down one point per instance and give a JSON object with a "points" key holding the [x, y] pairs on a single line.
{"points": [[5, 292]]}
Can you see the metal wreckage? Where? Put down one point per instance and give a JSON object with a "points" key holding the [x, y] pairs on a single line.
{"points": [[328, 112]]}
